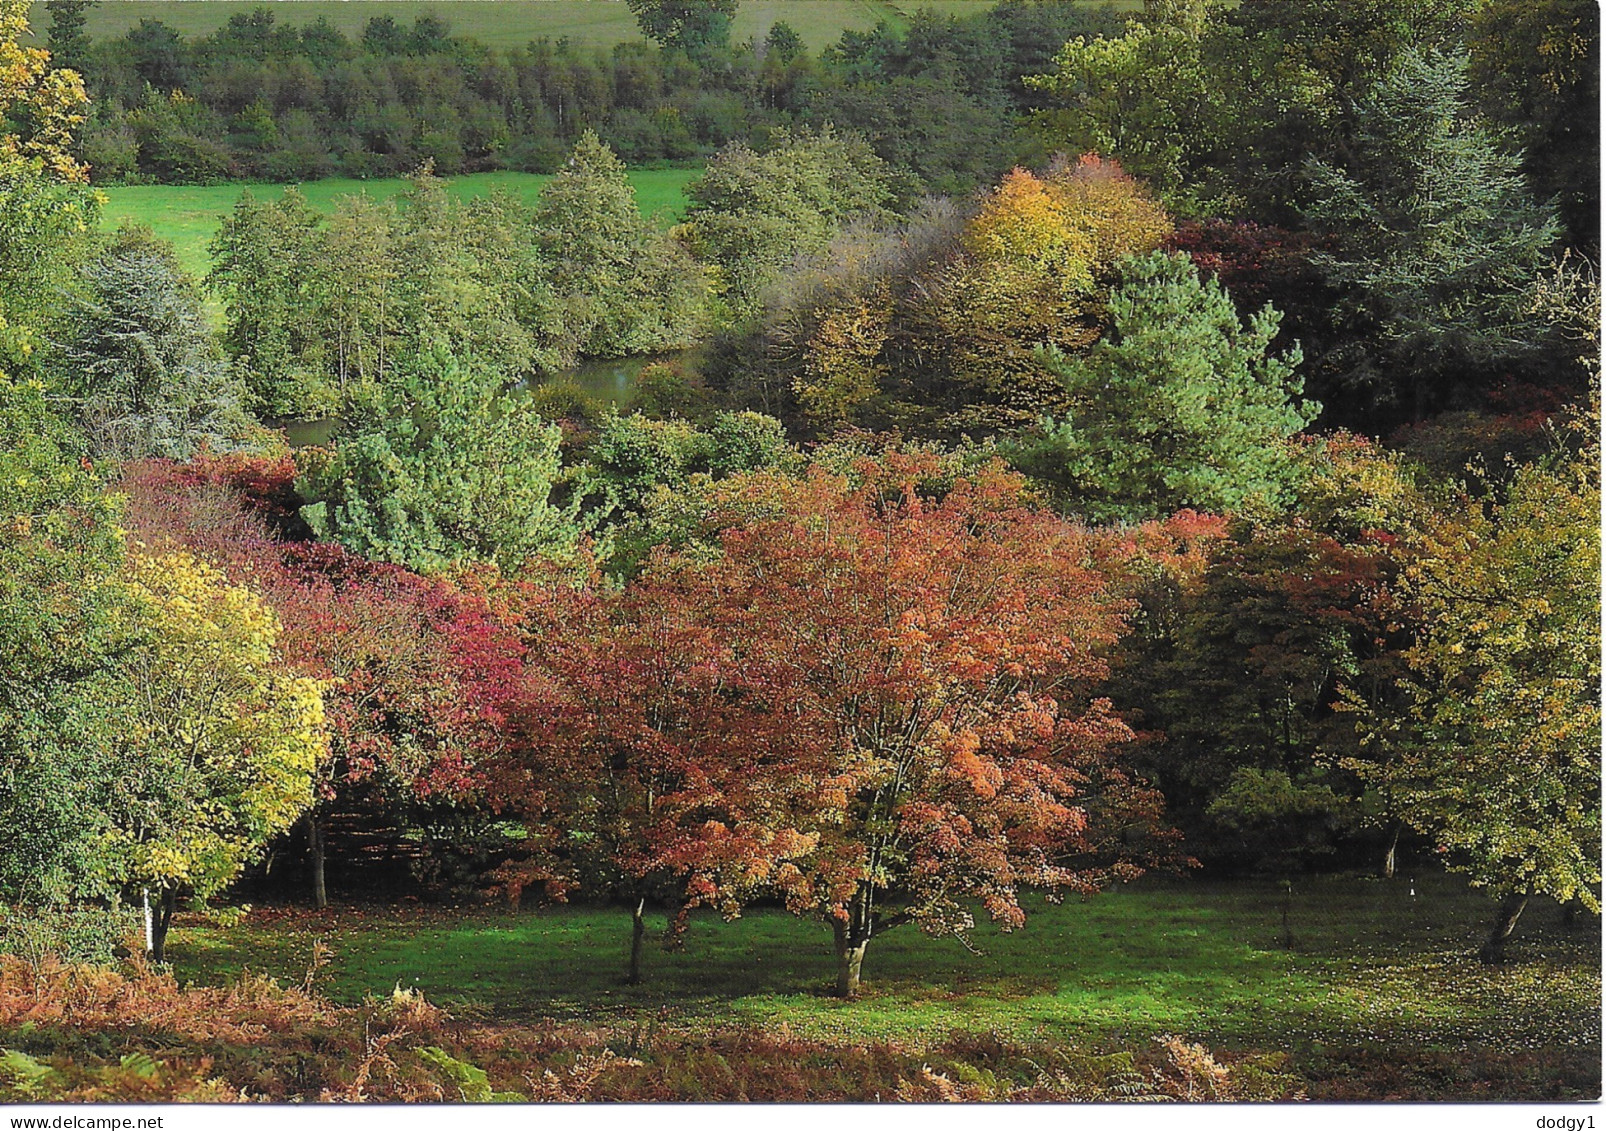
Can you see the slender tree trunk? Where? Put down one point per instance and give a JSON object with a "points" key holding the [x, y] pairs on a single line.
{"points": [[638, 935], [850, 948], [1288, 904], [1505, 922], [315, 852], [1389, 856], [163, 920]]}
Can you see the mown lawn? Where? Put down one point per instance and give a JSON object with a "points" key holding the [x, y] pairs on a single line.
{"points": [[189, 215], [1370, 965]]}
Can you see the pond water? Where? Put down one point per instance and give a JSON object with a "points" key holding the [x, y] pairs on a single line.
{"points": [[606, 381]]}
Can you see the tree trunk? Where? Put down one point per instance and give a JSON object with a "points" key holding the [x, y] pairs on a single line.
{"points": [[638, 934], [1505, 922], [315, 851], [850, 948], [1389, 856], [163, 919], [1288, 906]]}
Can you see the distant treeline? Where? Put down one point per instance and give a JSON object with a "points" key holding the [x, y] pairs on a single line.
{"points": [[941, 100]]}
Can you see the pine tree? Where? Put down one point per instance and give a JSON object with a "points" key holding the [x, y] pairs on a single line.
{"points": [[140, 361], [1440, 241], [1179, 406]]}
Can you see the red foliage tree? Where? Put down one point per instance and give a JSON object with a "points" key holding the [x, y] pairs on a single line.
{"points": [[874, 704]]}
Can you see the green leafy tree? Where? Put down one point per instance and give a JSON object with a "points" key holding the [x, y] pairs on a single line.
{"points": [[265, 264], [784, 42], [1536, 67], [362, 294], [1495, 756], [455, 296], [621, 286], [697, 27], [1303, 67], [140, 361], [1180, 405], [66, 38], [453, 468], [47, 210], [65, 619], [1440, 241], [753, 213], [1145, 97], [321, 313], [632, 456]]}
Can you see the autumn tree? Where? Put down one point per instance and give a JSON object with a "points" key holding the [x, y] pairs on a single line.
{"points": [[1494, 755], [935, 326], [1236, 673], [881, 705], [413, 669], [218, 742], [1033, 269], [626, 743]]}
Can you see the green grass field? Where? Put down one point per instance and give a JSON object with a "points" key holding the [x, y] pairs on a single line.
{"points": [[189, 215], [513, 23], [1370, 964]]}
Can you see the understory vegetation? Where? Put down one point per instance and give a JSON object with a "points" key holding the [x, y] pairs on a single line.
{"points": [[1105, 606]]}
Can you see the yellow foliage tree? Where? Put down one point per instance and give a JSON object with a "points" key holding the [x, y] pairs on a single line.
{"points": [[1036, 259], [47, 209], [220, 742], [841, 370], [1494, 754], [1065, 229], [50, 101]]}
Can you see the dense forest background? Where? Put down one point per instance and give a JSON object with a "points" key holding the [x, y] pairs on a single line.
{"points": [[268, 97]]}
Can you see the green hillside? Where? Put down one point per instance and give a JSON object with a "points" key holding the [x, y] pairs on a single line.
{"points": [[511, 23], [189, 214]]}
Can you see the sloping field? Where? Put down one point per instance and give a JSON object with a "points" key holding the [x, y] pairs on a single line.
{"points": [[189, 215], [513, 23]]}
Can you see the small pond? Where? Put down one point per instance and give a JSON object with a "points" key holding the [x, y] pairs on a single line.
{"points": [[606, 381]]}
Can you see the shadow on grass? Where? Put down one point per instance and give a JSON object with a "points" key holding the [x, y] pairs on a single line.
{"points": [[1370, 962]]}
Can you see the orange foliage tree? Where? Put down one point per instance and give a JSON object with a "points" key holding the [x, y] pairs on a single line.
{"points": [[871, 702]]}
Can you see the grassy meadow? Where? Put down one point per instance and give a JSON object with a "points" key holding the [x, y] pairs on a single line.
{"points": [[189, 215], [513, 23], [1372, 966]]}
